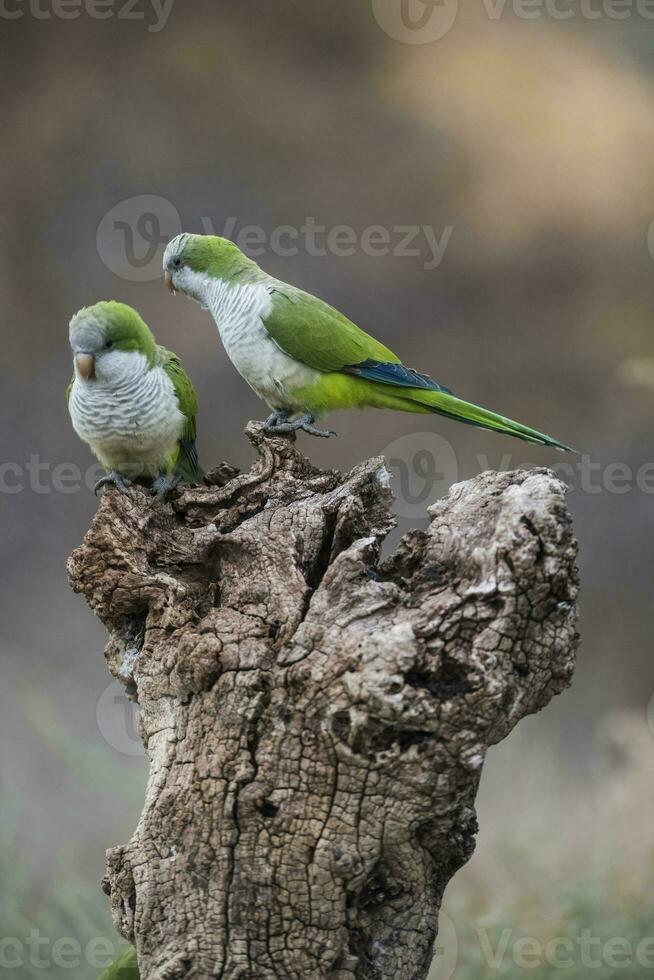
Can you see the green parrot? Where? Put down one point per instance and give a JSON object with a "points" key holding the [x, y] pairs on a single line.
{"points": [[131, 400], [124, 968], [302, 356]]}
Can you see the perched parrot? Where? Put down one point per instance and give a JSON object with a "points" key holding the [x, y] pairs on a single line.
{"points": [[131, 400], [124, 968], [302, 356]]}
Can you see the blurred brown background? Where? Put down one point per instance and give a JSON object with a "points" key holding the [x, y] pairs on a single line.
{"points": [[531, 139]]}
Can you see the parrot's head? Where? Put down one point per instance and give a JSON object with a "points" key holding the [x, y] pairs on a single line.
{"points": [[109, 341], [193, 262]]}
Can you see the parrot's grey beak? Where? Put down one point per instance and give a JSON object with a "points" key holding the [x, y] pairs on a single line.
{"points": [[168, 279], [85, 365]]}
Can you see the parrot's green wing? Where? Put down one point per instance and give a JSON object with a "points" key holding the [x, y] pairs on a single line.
{"points": [[124, 968], [188, 464], [315, 333]]}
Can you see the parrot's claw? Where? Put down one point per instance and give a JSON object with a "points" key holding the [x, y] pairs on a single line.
{"points": [[164, 485], [306, 424], [277, 424], [113, 479]]}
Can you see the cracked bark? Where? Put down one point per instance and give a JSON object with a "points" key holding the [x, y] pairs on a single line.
{"points": [[316, 719]]}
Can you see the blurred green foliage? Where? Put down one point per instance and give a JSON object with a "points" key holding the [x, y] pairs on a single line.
{"points": [[590, 931], [125, 967], [56, 925], [61, 928]]}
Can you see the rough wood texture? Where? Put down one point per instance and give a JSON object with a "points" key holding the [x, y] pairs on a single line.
{"points": [[316, 720]]}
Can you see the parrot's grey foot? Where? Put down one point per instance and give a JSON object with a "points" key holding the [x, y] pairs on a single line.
{"points": [[272, 424], [113, 479], [164, 485], [278, 424]]}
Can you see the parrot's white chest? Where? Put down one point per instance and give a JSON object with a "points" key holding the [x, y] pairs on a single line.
{"points": [[239, 312], [131, 420]]}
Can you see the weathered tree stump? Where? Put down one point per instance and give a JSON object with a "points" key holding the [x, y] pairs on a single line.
{"points": [[316, 719]]}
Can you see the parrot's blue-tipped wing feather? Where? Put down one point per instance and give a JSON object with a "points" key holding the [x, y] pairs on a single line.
{"points": [[394, 374]]}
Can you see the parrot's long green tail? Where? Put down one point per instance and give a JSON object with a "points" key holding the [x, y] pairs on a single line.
{"points": [[454, 408]]}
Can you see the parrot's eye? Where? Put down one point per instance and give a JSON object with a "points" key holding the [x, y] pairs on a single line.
{"points": [[109, 345], [177, 262]]}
